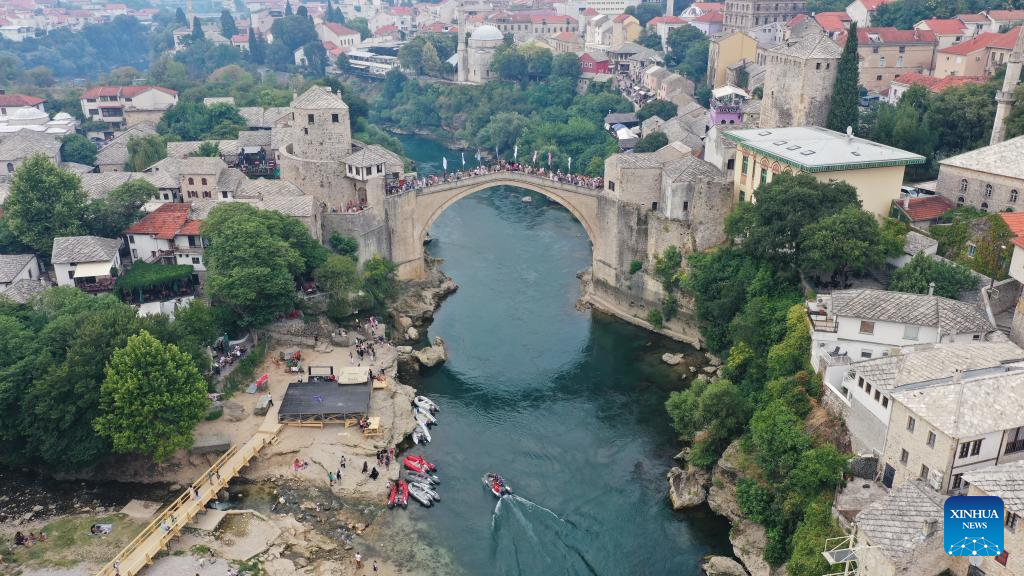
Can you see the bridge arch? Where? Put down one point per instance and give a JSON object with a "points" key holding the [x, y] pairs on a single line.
{"points": [[431, 202]]}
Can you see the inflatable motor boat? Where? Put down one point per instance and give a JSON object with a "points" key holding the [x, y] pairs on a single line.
{"points": [[418, 464], [423, 478], [419, 495], [496, 484], [425, 403]]}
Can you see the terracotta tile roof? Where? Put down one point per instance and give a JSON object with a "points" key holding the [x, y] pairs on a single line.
{"points": [[339, 29], [20, 100], [934, 84], [567, 37], [1015, 220], [894, 36], [665, 20], [191, 228], [944, 25], [622, 18], [239, 38], [164, 223], [711, 17], [873, 5], [925, 207], [709, 6], [983, 41], [1006, 15], [386, 29], [1018, 241], [833, 21], [124, 91], [972, 18]]}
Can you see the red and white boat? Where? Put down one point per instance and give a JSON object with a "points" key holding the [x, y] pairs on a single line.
{"points": [[418, 464], [496, 484]]}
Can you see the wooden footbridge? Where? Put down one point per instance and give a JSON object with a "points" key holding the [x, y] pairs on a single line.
{"points": [[179, 513]]}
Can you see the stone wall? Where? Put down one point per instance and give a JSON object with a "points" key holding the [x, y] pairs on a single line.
{"points": [[368, 227], [951, 186], [324, 180], [1007, 293], [797, 92]]}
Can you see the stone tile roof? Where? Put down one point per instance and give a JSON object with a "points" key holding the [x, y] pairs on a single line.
{"points": [[917, 309], [256, 117], [1002, 159], [75, 249], [254, 138], [263, 188], [12, 264], [115, 152], [809, 46], [77, 168], [895, 524], [916, 242], [184, 149], [25, 143], [298, 206], [201, 165], [978, 405], [936, 364], [639, 160], [369, 156], [23, 290], [230, 179], [318, 98], [99, 184], [691, 169], [1005, 481]]}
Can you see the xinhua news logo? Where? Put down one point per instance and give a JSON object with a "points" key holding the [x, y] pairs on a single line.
{"points": [[973, 526]]}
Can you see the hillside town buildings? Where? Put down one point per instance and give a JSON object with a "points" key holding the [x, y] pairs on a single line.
{"points": [[123, 106]]}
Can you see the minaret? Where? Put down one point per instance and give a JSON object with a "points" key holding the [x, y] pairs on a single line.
{"points": [[188, 12], [1004, 98], [463, 59]]}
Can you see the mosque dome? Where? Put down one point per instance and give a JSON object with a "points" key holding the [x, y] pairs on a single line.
{"points": [[487, 32], [27, 113]]}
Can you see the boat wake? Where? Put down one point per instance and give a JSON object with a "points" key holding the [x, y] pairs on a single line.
{"points": [[528, 538]]}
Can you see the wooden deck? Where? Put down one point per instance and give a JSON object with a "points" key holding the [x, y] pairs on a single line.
{"points": [[183, 510]]}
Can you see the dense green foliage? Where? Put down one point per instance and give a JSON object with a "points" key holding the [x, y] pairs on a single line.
{"points": [[78, 148], [380, 282], [661, 108], [93, 50], [645, 11], [191, 120], [688, 53], [543, 116], [109, 216], [254, 260], [151, 399], [935, 126], [845, 93], [144, 151], [142, 276], [207, 149], [45, 202], [950, 279], [843, 243], [344, 245], [651, 142], [977, 240], [339, 277], [426, 54], [52, 359]]}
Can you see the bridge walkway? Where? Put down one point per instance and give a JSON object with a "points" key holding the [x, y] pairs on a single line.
{"points": [[179, 513], [508, 175]]}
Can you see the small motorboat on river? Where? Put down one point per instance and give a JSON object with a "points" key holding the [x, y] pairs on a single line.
{"points": [[425, 415], [422, 423], [496, 484], [420, 495], [425, 487], [425, 403]]}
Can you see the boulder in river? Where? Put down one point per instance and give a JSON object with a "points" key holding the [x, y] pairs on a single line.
{"points": [[722, 566], [412, 334], [685, 488], [672, 359], [432, 355]]}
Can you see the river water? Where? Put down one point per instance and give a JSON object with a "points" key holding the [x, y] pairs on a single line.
{"points": [[567, 405]]}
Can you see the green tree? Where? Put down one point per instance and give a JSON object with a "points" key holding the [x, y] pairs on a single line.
{"points": [[110, 216], [197, 30], [292, 32], [645, 11], [776, 440], [510, 64], [288, 8], [661, 108], [302, 12], [848, 242], [196, 322], [79, 149], [257, 47], [44, 202], [790, 354], [380, 282], [344, 245], [360, 25], [565, 66], [227, 24], [180, 17], [1015, 121], [207, 149], [151, 399], [688, 52], [809, 539], [950, 279], [650, 39], [144, 151], [339, 277], [651, 142], [845, 93], [316, 58], [503, 131]]}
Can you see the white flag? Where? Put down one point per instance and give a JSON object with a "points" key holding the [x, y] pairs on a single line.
{"points": [[534, 156], [570, 163], [444, 162], [515, 152], [463, 159], [478, 155]]}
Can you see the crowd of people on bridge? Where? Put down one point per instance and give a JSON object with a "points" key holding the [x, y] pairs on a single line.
{"points": [[592, 182]]}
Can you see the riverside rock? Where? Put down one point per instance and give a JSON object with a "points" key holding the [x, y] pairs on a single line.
{"points": [[412, 333], [722, 566], [432, 355], [685, 489], [672, 359]]}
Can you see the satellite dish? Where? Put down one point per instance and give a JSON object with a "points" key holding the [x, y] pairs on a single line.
{"points": [[975, 560]]}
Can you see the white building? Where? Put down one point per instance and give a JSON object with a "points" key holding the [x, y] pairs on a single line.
{"points": [[168, 236], [127, 105], [14, 267], [12, 103], [86, 262], [869, 385], [851, 325]]}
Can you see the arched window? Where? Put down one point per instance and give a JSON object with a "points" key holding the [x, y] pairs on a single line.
{"points": [[988, 190], [191, 181], [960, 201], [984, 206], [10, 167], [963, 185], [1013, 195]]}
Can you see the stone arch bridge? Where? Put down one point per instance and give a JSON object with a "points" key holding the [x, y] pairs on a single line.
{"points": [[412, 213]]}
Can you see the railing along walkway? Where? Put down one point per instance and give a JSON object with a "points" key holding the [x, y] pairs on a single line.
{"points": [[512, 175], [179, 513]]}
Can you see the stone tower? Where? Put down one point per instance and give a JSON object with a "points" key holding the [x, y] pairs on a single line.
{"points": [[800, 75], [1004, 98], [320, 127], [742, 15]]}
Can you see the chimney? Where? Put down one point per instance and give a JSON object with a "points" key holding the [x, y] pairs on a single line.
{"points": [[906, 203], [928, 528], [931, 288], [957, 375], [849, 132]]}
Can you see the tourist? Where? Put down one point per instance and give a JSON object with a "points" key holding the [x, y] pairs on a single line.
{"points": [[19, 538], [374, 474], [330, 477], [366, 466], [375, 567], [342, 462], [337, 476], [359, 560]]}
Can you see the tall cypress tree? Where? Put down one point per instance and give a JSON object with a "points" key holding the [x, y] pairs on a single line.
{"points": [[227, 24], [197, 29], [288, 8], [179, 15], [846, 91], [257, 47]]}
